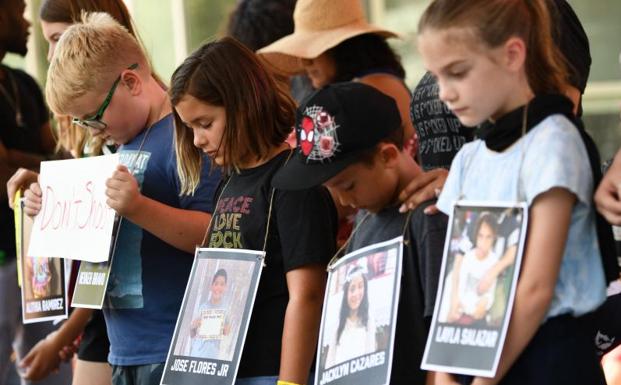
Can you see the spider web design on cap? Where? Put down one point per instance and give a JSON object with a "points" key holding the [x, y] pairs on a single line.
{"points": [[325, 139]]}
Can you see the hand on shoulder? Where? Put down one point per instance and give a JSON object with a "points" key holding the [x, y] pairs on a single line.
{"points": [[424, 187]]}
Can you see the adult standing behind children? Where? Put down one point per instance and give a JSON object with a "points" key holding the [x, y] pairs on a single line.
{"points": [[350, 138], [243, 129], [25, 140], [120, 99], [333, 42]]}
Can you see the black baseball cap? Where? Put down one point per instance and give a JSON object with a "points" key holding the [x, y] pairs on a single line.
{"points": [[334, 125]]}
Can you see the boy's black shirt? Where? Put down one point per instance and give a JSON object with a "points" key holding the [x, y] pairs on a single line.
{"points": [[422, 260], [302, 232]]}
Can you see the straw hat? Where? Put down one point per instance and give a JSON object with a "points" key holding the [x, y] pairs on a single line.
{"points": [[319, 26]]}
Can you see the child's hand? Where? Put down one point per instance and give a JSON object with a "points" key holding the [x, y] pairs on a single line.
{"points": [[21, 179], [424, 187], [68, 351], [607, 197], [123, 192], [32, 200], [42, 360]]}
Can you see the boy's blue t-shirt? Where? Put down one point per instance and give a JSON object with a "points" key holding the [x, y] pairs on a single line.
{"points": [[149, 276]]}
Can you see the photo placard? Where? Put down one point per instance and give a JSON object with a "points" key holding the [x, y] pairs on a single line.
{"points": [[214, 317], [482, 257], [359, 316]]}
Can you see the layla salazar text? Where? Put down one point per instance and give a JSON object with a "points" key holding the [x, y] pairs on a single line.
{"points": [[79, 211]]}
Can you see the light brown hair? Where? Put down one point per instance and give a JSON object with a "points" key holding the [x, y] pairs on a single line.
{"points": [[259, 110], [70, 11], [495, 21]]}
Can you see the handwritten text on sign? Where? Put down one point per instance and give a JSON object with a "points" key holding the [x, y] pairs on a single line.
{"points": [[74, 222]]}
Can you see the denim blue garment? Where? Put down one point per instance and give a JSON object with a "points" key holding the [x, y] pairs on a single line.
{"points": [[263, 380], [137, 375]]}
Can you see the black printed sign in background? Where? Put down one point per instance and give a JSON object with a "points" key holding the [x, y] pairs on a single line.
{"points": [[440, 134]]}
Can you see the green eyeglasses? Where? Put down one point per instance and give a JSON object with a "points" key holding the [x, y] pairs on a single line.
{"points": [[95, 123]]}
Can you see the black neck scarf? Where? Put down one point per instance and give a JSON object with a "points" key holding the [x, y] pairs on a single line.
{"points": [[500, 135]]}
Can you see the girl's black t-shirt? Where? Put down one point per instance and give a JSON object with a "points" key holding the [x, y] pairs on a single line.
{"points": [[302, 231]]}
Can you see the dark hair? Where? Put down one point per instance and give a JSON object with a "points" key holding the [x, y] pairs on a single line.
{"points": [[495, 21], [489, 219], [220, 273], [367, 157], [260, 113], [257, 23], [572, 41], [363, 53], [363, 311], [69, 11]]}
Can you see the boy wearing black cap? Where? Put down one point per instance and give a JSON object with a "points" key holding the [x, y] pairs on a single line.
{"points": [[350, 139]]}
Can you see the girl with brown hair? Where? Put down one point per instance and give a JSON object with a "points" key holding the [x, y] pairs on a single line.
{"points": [[229, 106], [496, 65]]}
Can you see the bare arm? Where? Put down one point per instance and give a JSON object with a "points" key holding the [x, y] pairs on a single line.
{"points": [[550, 216], [44, 357], [299, 338], [183, 229], [607, 198]]}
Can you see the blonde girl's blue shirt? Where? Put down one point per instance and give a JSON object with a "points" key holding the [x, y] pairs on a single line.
{"points": [[148, 276], [552, 154]]}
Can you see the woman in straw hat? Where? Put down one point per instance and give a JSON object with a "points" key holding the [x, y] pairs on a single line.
{"points": [[333, 42]]}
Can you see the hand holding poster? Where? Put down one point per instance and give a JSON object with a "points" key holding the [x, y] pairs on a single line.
{"points": [[74, 222], [481, 263], [211, 328], [359, 315]]}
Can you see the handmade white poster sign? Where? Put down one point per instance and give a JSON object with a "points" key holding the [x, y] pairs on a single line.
{"points": [[74, 222]]}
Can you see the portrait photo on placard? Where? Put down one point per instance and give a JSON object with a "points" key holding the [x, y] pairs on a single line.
{"points": [[43, 289], [475, 287], [358, 320], [212, 316], [213, 320], [479, 273]]}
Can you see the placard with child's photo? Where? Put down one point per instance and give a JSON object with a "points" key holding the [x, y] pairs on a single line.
{"points": [[214, 317], [359, 315], [43, 278], [480, 268]]}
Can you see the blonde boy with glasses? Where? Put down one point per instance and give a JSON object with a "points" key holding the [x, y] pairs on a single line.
{"points": [[100, 76]]}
